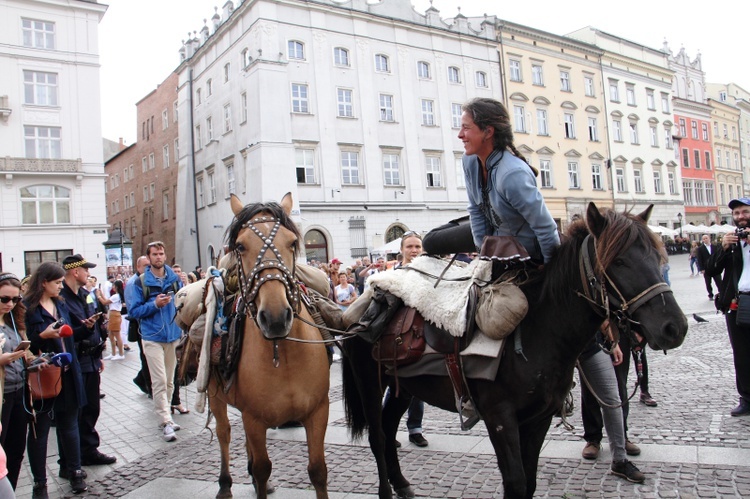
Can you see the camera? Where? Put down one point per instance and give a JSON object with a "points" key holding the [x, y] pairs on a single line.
{"points": [[741, 233]]}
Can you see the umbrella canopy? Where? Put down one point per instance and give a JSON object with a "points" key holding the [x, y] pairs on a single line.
{"points": [[721, 229], [695, 229], [663, 231], [393, 247]]}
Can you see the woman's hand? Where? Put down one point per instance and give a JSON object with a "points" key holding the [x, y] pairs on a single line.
{"points": [[10, 357], [50, 333], [616, 355]]}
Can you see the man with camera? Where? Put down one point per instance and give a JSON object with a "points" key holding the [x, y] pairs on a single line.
{"points": [[90, 341], [705, 250], [733, 258]]}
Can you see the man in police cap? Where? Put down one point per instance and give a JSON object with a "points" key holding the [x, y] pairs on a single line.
{"points": [[90, 341], [733, 258]]}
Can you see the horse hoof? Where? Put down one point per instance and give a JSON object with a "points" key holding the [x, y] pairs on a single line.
{"points": [[224, 494], [405, 493]]}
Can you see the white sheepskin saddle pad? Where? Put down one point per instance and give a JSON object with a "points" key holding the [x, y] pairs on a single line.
{"points": [[444, 306]]}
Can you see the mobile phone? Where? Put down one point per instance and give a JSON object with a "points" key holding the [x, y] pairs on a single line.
{"points": [[96, 315], [59, 323], [24, 345], [170, 293]]}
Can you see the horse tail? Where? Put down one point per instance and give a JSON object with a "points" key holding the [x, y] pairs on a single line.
{"points": [[353, 402]]}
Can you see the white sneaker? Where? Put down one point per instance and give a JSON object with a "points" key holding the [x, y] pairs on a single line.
{"points": [[175, 426], [117, 357], [169, 435], [107, 357]]}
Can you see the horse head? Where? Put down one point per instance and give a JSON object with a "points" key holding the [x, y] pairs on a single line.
{"points": [[627, 263], [265, 242]]}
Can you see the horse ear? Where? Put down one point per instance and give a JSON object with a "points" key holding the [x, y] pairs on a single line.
{"points": [[646, 214], [594, 220], [236, 204], [287, 203]]}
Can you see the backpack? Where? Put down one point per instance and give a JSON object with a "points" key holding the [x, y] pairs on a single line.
{"points": [[147, 292]]}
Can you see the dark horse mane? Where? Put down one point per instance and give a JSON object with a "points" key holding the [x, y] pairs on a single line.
{"points": [[249, 212], [619, 232]]}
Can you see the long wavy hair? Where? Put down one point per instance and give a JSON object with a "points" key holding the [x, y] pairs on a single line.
{"points": [[46, 272], [17, 314]]}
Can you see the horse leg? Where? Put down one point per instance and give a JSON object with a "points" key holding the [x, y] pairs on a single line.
{"points": [[223, 433], [502, 428], [315, 427], [393, 411], [533, 435], [259, 466]]}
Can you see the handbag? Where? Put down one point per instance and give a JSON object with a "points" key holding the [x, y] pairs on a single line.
{"points": [[743, 310], [45, 383]]}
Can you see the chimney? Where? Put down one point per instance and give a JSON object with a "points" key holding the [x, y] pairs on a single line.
{"points": [[216, 19], [122, 145]]}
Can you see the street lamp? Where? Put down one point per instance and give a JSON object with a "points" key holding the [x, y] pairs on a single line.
{"points": [[679, 219]]}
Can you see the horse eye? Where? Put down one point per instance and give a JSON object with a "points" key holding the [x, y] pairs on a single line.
{"points": [[240, 248]]}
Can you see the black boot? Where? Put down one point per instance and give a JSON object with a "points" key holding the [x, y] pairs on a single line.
{"points": [[39, 491]]}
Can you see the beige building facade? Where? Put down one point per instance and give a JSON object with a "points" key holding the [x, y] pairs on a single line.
{"points": [[725, 122]]}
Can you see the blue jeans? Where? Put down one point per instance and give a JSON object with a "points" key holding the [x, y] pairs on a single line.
{"points": [[68, 442], [600, 373], [415, 413]]}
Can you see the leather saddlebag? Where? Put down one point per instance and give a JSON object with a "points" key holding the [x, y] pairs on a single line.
{"points": [[403, 341]]}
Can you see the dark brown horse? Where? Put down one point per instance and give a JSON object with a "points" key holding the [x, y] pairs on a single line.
{"points": [[277, 380], [517, 407]]}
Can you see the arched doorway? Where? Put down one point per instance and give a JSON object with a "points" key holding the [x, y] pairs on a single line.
{"points": [[316, 246], [394, 232]]}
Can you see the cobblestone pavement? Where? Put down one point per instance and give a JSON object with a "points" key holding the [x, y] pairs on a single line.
{"points": [[693, 384]]}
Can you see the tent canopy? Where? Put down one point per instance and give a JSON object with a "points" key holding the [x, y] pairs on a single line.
{"points": [[392, 248]]}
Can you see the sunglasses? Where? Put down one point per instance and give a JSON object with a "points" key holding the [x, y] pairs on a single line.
{"points": [[14, 299], [411, 233]]}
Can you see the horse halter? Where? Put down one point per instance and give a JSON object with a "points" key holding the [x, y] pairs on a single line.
{"points": [[596, 292], [250, 284]]}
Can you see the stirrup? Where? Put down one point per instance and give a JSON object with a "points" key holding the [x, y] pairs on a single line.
{"points": [[467, 414]]}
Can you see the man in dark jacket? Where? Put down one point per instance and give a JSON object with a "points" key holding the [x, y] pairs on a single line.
{"points": [[90, 342], [733, 258], [705, 250]]}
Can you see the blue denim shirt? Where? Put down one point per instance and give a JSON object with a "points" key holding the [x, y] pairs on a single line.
{"points": [[517, 206]]}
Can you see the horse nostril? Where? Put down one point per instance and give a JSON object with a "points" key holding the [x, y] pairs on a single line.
{"points": [[289, 315], [262, 319]]}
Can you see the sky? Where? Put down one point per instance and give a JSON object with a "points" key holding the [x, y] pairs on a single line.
{"points": [[140, 39]]}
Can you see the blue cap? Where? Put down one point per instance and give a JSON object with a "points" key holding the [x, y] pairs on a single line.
{"points": [[734, 202]]}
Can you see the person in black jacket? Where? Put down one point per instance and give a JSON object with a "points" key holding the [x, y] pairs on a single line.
{"points": [[705, 250], [90, 342], [733, 258]]}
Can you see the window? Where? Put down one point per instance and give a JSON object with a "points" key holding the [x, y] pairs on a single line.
{"points": [[350, 167], [198, 137], [718, 158], [209, 87], [198, 98], [685, 158], [704, 127], [299, 98], [432, 167], [708, 160], [664, 102], [573, 180], [174, 111], [132, 199], [722, 196], [726, 155], [245, 58], [243, 106], [165, 205], [710, 193], [209, 129], [565, 81], [341, 56], [588, 85], [726, 135], [657, 182], [305, 160], [596, 176], [296, 50], [668, 137], [736, 161], [145, 194], [545, 173], [671, 182], [165, 156], [614, 93], [630, 93], [515, 70], [650, 100], [227, 118], [617, 130], [634, 133], [716, 129], [201, 194], [428, 113], [391, 172], [723, 96], [683, 129], [164, 119], [152, 191], [211, 187], [423, 70], [620, 178], [537, 77], [481, 79], [519, 119], [38, 34], [231, 180], [454, 74], [687, 192], [698, 188], [456, 115], [593, 133], [344, 102], [637, 180], [460, 179], [45, 204], [570, 129], [42, 142], [40, 89], [541, 122], [694, 129], [697, 158], [227, 71], [144, 164], [176, 150], [654, 136], [382, 64], [386, 107]]}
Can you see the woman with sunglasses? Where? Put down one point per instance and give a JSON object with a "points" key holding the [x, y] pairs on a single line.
{"points": [[44, 309], [15, 346]]}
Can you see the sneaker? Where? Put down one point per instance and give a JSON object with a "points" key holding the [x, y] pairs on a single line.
{"points": [[627, 470], [591, 451], [77, 483], [65, 474], [631, 449], [39, 491], [169, 435], [107, 357], [175, 426], [117, 357], [418, 440]]}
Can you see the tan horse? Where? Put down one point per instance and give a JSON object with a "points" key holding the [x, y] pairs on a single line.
{"points": [[278, 380]]}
